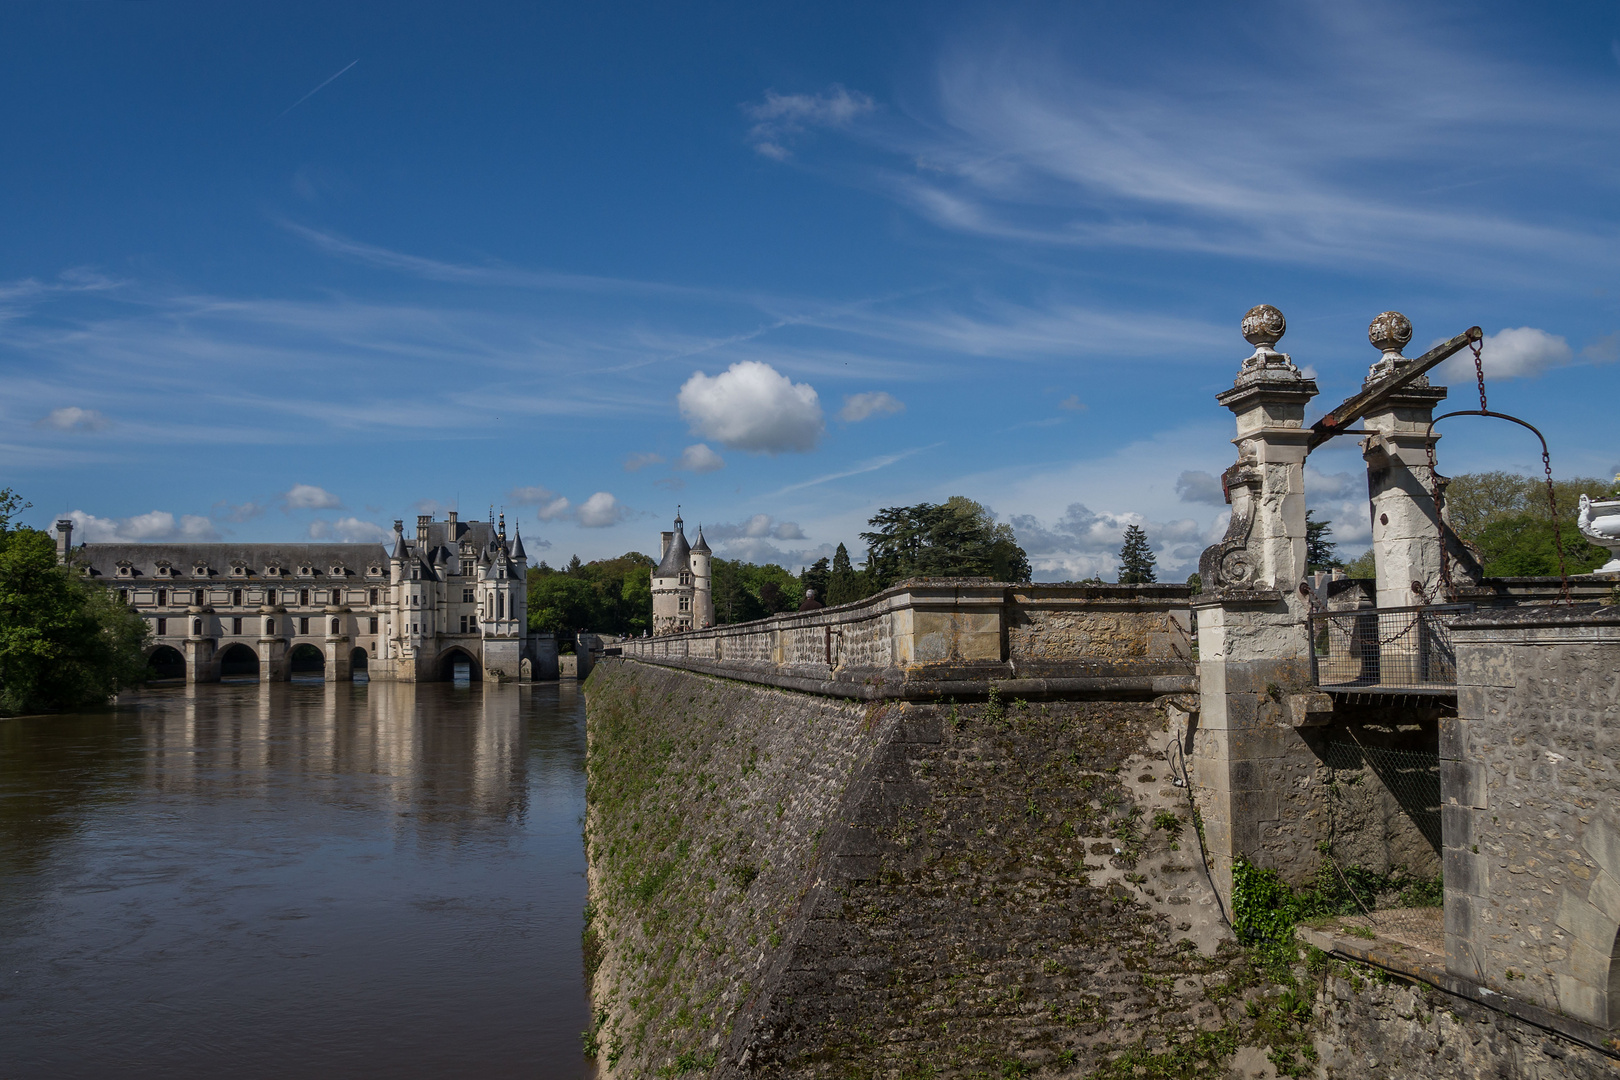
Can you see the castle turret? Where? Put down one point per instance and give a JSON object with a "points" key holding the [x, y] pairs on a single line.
{"points": [[702, 585], [672, 585], [64, 540]]}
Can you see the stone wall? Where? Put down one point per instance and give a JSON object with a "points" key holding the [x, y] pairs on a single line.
{"points": [[1374, 1029], [790, 885], [1531, 781], [932, 638]]}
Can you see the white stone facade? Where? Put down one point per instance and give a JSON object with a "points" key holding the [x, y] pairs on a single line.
{"points": [[682, 585], [454, 593]]}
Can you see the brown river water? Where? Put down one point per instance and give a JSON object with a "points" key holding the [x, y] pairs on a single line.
{"points": [[291, 880]]}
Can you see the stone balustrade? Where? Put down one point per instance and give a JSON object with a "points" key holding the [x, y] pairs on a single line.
{"points": [[926, 638]]}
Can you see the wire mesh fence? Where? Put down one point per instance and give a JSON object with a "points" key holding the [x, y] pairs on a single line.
{"points": [[1393, 648], [1411, 776]]}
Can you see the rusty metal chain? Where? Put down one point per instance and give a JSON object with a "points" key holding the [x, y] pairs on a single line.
{"points": [[1478, 346], [1558, 531]]}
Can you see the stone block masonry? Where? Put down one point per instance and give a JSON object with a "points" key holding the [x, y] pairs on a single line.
{"points": [[1530, 772], [792, 885]]}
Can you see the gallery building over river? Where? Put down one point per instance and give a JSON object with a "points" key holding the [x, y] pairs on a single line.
{"points": [[453, 599]]}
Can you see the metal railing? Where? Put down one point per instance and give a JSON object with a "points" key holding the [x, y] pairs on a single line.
{"points": [[1402, 649]]}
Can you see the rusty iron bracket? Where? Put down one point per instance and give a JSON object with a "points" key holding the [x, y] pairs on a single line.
{"points": [[1354, 408]]}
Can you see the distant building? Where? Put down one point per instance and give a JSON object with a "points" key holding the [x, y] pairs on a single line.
{"points": [[682, 589], [455, 593]]}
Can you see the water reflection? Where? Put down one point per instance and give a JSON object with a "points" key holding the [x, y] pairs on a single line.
{"points": [[277, 879]]}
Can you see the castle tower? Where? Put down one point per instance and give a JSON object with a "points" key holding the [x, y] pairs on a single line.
{"points": [[672, 584], [702, 584]]}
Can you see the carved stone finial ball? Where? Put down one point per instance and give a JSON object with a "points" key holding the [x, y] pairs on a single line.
{"points": [[1390, 331], [1264, 326]]}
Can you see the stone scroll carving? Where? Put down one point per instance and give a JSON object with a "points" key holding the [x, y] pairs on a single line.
{"points": [[1229, 564]]}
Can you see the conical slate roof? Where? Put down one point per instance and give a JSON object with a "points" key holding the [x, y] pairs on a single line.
{"points": [[702, 544], [678, 557], [517, 550]]}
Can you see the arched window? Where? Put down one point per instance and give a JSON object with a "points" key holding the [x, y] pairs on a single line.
{"points": [[269, 627], [196, 627], [334, 626]]}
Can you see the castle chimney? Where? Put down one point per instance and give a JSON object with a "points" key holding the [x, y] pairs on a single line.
{"points": [[64, 539], [669, 538], [451, 518], [422, 523]]}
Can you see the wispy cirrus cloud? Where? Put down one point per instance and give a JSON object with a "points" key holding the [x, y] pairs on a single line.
{"points": [[779, 118]]}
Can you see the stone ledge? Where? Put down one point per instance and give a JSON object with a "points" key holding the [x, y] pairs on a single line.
{"points": [[1420, 965], [921, 684]]}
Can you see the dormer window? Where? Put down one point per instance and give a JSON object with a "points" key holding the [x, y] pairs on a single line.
{"points": [[340, 571], [164, 569], [272, 571], [200, 570], [306, 571], [686, 577], [239, 569], [373, 571], [126, 568], [416, 573]]}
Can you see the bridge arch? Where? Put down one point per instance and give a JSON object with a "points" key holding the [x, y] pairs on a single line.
{"points": [[449, 660], [165, 662], [358, 664], [237, 659], [306, 659]]}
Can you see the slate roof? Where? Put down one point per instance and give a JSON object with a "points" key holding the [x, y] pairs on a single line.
{"points": [[103, 559], [678, 557]]}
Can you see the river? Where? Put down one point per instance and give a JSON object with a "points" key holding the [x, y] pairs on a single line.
{"points": [[283, 880]]}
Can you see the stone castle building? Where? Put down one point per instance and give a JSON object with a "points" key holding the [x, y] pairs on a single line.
{"points": [[414, 610], [682, 588]]}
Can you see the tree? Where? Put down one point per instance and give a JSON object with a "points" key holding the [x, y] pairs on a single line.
{"points": [[610, 596], [1136, 559], [1361, 567], [816, 576], [65, 643], [1319, 553], [956, 538], [843, 583]]}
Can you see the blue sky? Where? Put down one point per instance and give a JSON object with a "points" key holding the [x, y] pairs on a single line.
{"points": [[295, 270]]}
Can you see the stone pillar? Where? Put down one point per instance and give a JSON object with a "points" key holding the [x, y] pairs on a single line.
{"points": [[202, 661], [1405, 528], [1253, 644], [273, 665], [1530, 794], [338, 666]]}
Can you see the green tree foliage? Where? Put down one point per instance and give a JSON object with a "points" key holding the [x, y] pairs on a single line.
{"points": [[844, 584], [611, 596], [955, 538], [1509, 521], [65, 643], [1361, 567], [1319, 550], [816, 576], [746, 591], [1136, 558]]}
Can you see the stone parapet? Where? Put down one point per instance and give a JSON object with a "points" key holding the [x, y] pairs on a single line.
{"points": [[936, 637], [1530, 781]]}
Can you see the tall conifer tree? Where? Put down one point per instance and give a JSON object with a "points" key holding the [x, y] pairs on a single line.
{"points": [[1136, 559]]}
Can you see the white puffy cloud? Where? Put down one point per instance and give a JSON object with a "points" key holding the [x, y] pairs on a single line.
{"points": [[858, 407], [155, 525], [781, 116], [1197, 486], [350, 530], [601, 510], [699, 458], [1511, 354], [556, 510], [533, 495], [73, 418], [1073, 404], [758, 527], [310, 497], [637, 462], [1086, 544], [752, 406]]}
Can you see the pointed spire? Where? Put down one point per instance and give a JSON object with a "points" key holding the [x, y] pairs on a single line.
{"points": [[400, 550], [517, 550], [702, 544]]}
